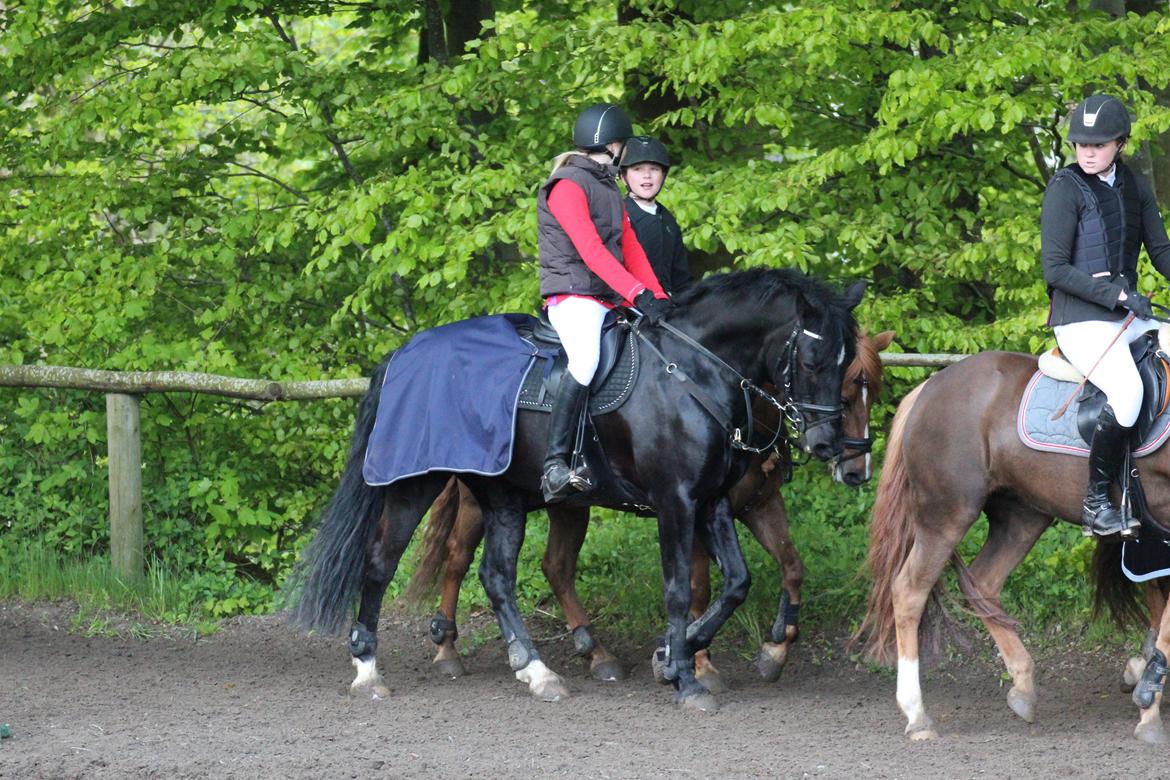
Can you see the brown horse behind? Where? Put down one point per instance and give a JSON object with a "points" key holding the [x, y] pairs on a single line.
{"points": [[952, 453], [455, 530]]}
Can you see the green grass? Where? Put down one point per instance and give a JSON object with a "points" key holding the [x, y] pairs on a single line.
{"points": [[39, 573]]}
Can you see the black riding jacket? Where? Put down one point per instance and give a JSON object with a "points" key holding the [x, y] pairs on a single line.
{"points": [[660, 236], [1090, 236]]}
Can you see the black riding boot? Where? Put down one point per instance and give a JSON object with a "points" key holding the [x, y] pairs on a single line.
{"points": [[559, 481], [1106, 455]]}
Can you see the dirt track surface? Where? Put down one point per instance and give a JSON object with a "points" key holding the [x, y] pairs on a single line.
{"points": [[257, 700]]}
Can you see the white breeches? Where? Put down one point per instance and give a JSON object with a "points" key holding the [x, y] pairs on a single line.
{"points": [[578, 323], [1082, 343]]}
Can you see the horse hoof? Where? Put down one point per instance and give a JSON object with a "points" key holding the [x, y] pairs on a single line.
{"points": [[712, 681], [922, 730], [1023, 704], [375, 690], [551, 690], [658, 667], [699, 702], [770, 662], [608, 671], [1133, 672], [451, 668], [1151, 733]]}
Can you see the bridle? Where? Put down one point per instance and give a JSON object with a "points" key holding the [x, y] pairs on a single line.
{"points": [[828, 414], [864, 445], [792, 410]]}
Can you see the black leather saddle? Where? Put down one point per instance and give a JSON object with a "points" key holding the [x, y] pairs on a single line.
{"points": [[1152, 365], [617, 368]]}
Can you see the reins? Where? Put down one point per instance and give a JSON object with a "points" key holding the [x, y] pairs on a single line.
{"points": [[741, 438]]}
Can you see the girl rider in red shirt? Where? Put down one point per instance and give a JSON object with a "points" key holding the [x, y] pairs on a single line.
{"points": [[590, 261]]}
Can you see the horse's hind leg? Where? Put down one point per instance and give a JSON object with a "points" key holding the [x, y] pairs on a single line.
{"points": [[465, 537], [566, 533], [1011, 532], [910, 591], [405, 504], [504, 520], [1155, 596], [1148, 693]]}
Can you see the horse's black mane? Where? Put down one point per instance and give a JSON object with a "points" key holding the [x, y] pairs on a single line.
{"points": [[760, 285]]}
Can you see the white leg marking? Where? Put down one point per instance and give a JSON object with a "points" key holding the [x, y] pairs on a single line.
{"points": [[910, 692], [367, 672], [535, 674]]}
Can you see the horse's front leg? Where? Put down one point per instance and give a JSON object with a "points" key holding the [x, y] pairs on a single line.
{"points": [[718, 536], [566, 533], [676, 535], [504, 520], [768, 522]]}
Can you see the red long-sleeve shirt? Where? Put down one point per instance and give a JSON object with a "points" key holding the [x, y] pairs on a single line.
{"points": [[570, 207]]}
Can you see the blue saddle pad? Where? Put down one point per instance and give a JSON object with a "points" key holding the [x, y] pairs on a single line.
{"points": [[448, 401], [1034, 423]]}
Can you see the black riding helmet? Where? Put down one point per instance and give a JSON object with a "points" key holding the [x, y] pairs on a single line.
{"points": [[644, 149], [600, 124], [1098, 119]]}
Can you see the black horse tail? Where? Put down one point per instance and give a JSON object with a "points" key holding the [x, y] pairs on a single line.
{"points": [[432, 556], [1113, 593], [326, 580]]}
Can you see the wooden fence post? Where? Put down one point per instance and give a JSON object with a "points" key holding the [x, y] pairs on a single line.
{"points": [[125, 450]]}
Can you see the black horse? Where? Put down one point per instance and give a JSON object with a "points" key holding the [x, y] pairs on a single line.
{"points": [[677, 441]]}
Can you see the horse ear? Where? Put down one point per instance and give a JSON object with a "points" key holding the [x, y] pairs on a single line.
{"points": [[883, 339], [852, 296]]}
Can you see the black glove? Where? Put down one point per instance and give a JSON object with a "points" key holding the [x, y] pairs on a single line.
{"points": [[1139, 305], [653, 309]]}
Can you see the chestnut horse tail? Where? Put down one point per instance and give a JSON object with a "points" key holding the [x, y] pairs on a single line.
{"points": [[1113, 593], [432, 555], [982, 607], [891, 535]]}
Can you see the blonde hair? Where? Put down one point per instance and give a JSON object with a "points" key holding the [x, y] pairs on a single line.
{"points": [[563, 158]]}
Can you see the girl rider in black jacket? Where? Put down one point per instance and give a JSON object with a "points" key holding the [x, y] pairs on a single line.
{"points": [[1097, 214]]}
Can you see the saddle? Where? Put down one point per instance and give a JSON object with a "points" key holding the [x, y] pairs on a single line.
{"points": [[617, 373], [1153, 366], [617, 368], [1148, 556]]}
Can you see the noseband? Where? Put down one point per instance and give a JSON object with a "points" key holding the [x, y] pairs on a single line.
{"points": [[864, 445]]}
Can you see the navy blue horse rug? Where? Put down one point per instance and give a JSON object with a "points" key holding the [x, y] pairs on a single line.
{"points": [[448, 400]]}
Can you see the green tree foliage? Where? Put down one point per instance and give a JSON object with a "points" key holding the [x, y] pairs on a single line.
{"points": [[292, 188]]}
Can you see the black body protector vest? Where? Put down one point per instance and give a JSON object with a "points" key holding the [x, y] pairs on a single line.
{"points": [[1108, 236]]}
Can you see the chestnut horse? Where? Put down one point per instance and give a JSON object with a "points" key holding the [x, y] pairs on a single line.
{"points": [[455, 529], [952, 453]]}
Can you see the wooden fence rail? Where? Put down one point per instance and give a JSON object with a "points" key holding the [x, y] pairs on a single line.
{"points": [[123, 389]]}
